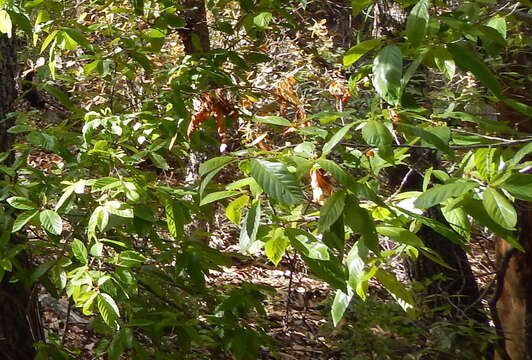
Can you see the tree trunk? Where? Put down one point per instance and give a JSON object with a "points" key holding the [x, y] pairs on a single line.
{"points": [[458, 287], [512, 302], [17, 307]]}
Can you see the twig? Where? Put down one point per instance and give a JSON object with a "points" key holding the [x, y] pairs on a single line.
{"points": [[289, 295], [67, 322], [454, 147]]}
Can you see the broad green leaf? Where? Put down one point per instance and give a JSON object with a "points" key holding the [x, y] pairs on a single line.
{"points": [[138, 5], [444, 61], [356, 52], [80, 251], [475, 208], [336, 138], [175, 219], [51, 222], [215, 196], [359, 5], [429, 135], [499, 208], [263, 19], [457, 219], [6, 26], [213, 164], [440, 193], [276, 246], [130, 258], [519, 185], [21, 203], [387, 73], [108, 310], [119, 208], [331, 211], [521, 153], [22, 219], [307, 244], [468, 61], [159, 161], [78, 37], [401, 235], [21, 21], [233, 211], [375, 133], [250, 227], [360, 221], [99, 219], [396, 289], [276, 181], [272, 120], [332, 271], [340, 303], [417, 21], [517, 105], [67, 192]]}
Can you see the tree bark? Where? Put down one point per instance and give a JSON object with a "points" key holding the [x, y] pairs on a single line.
{"points": [[18, 309], [512, 304]]}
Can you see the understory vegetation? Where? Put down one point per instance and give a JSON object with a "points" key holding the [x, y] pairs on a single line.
{"points": [[265, 179]]}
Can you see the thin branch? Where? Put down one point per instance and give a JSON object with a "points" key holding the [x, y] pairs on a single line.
{"points": [[454, 147]]}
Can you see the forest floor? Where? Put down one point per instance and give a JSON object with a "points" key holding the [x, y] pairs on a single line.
{"points": [[298, 314]]}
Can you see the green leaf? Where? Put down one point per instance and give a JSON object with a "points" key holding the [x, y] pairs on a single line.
{"points": [[499, 208], [417, 21], [214, 164], [330, 271], [99, 219], [263, 19], [307, 244], [401, 235], [21, 203], [80, 251], [477, 211], [276, 181], [6, 26], [430, 137], [336, 138], [159, 161], [175, 219], [119, 208], [521, 153], [22, 219], [375, 133], [78, 37], [109, 310], [519, 185], [440, 193], [340, 303], [276, 246], [250, 227], [356, 52], [272, 120], [468, 61], [396, 289], [387, 73], [22, 22], [130, 258], [519, 106], [331, 211], [359, 5], [233, 211], [444, 61], [360, 221], [215, 196], [457, 219], [51, 222]]}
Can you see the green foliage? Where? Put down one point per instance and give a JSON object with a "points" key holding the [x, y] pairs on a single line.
{"points": [[122, 217]]}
